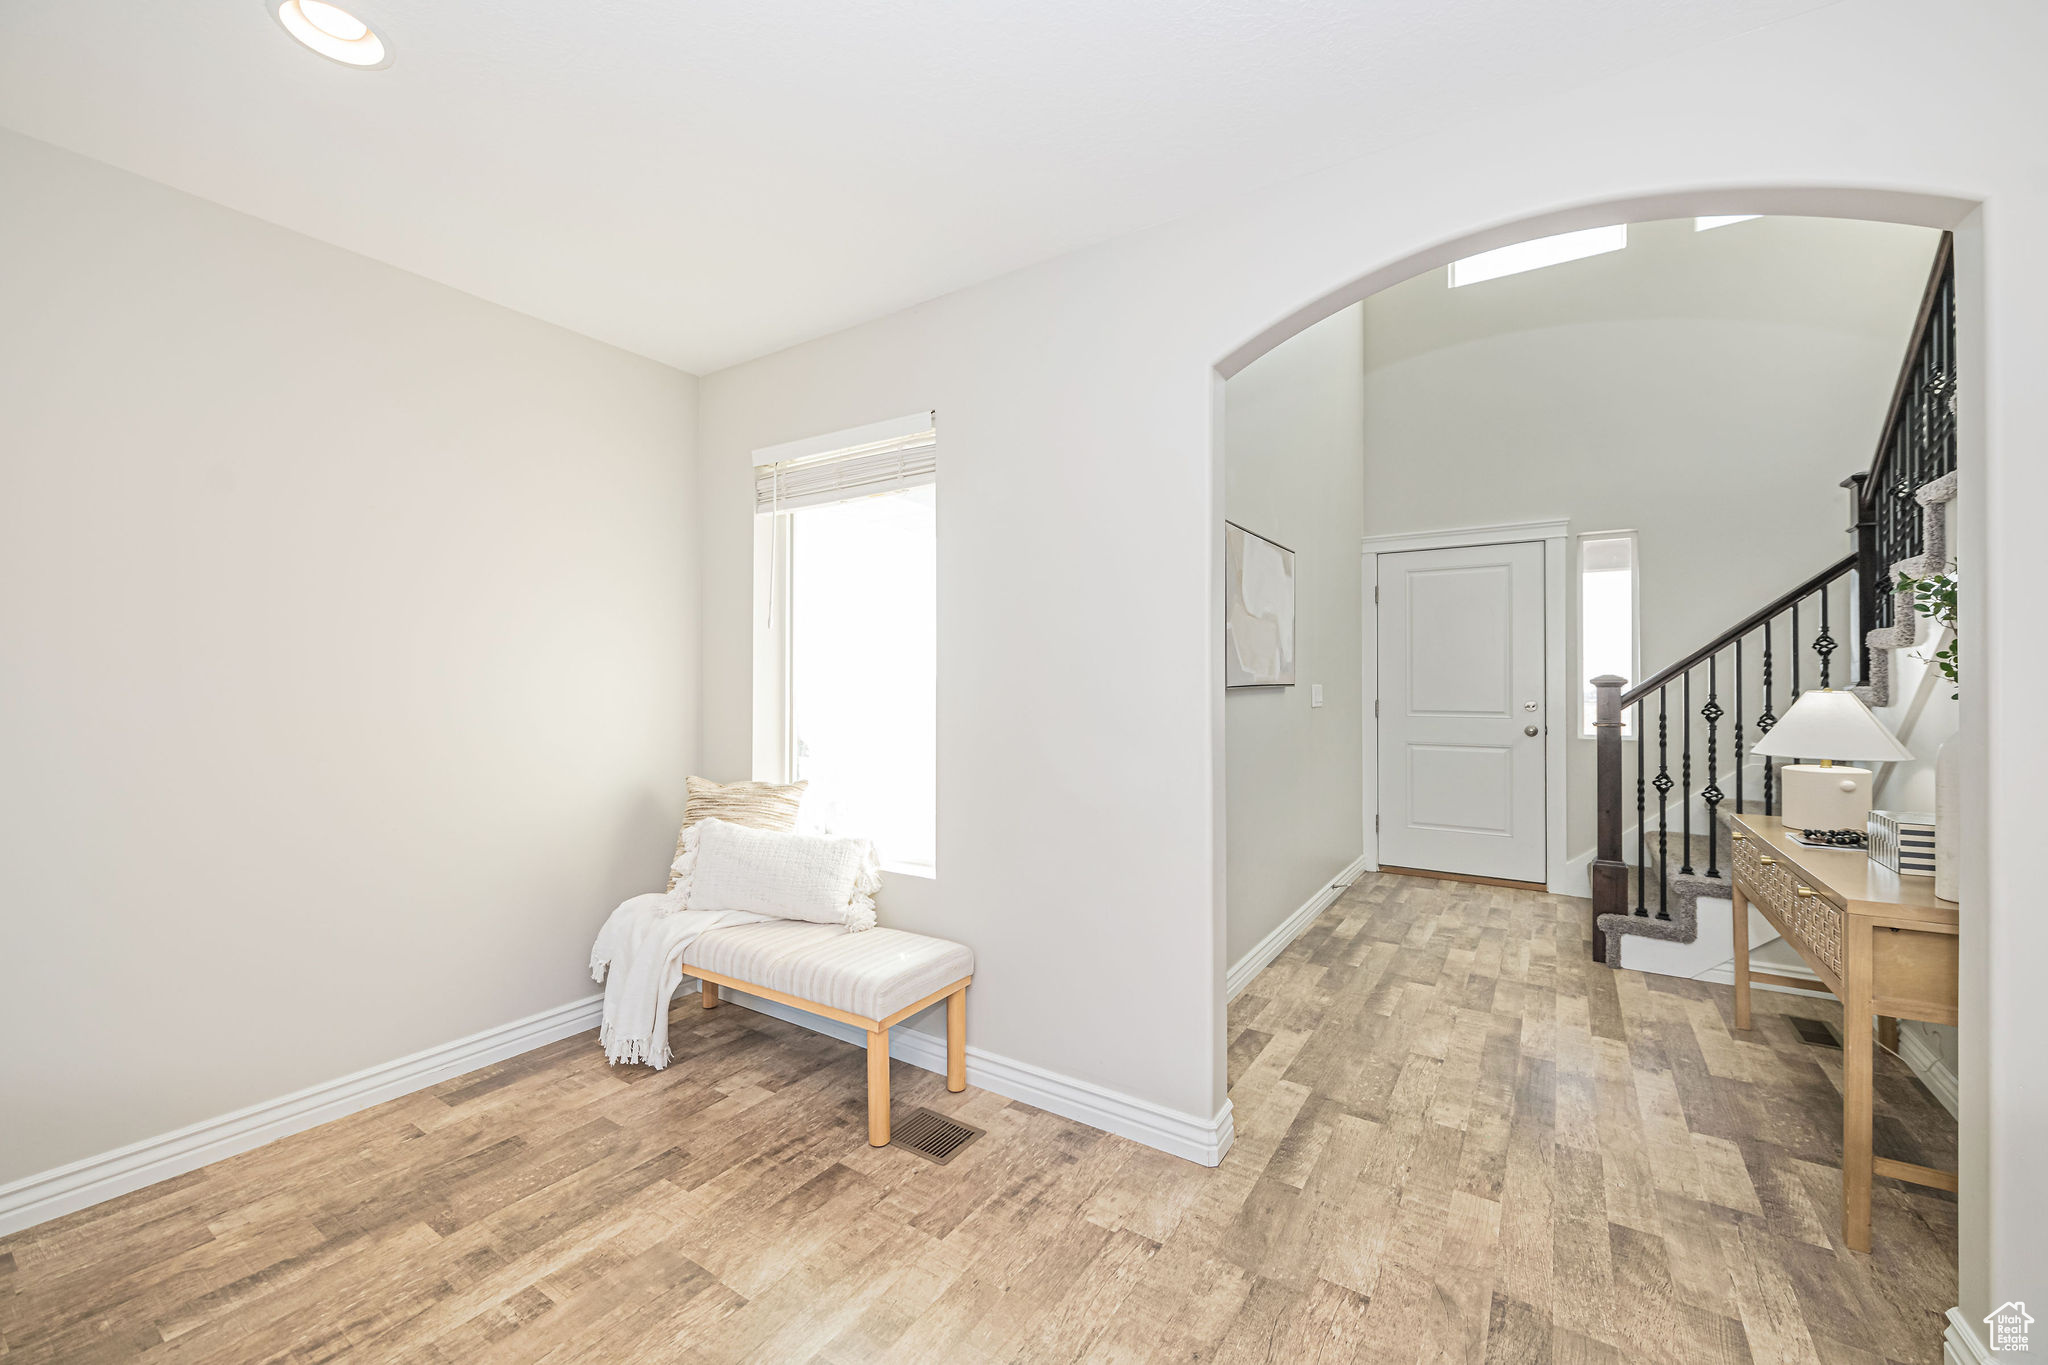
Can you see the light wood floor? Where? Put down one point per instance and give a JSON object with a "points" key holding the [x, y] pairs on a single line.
{"points": [[1457, 1140]]}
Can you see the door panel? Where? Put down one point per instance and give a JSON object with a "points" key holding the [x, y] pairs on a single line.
{"points": [[1461, 683], [1459, 643], [1460, 787]]}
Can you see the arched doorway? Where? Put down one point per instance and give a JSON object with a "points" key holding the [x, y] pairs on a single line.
{"points": [[1825, 204]]}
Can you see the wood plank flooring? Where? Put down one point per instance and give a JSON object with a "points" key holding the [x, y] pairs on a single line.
{"points": [[1457, 1140]]}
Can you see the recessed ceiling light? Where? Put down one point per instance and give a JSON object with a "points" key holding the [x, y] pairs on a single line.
{"points": [[332, 32]]}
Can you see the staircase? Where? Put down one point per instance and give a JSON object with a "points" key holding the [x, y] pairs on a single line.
{"points": [[1648, 880]]}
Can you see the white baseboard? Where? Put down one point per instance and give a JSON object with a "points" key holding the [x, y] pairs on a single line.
{"points": [[1915, 1052], [50, 1194], [1286, 931], [1171, 1131], [1576, 878], [1960, 1344], [1725, 975]]}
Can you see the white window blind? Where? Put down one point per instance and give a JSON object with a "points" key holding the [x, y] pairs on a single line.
{"points": [[905, 459]]}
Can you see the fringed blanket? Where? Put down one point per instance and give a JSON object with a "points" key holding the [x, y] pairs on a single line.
{"points": [[639, 957]]}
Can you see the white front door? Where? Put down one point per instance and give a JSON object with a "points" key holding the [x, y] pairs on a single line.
{"points": [[1462, 711]]}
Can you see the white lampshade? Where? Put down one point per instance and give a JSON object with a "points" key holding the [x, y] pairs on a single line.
{"points": [[1829, 724]]}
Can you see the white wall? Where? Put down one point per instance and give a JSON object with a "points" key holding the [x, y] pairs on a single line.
{"points": [[346, 657], [1081, 722], [1294, 472], [1707, 390]]}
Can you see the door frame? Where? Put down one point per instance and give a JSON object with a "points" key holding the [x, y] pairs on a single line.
{"points": [[1557, 700]]}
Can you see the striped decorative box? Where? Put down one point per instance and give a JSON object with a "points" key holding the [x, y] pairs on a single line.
{"points": [[1903, 840]]}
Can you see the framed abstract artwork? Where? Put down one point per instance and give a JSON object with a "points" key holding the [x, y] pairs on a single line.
{"points": [[1258, 610]]}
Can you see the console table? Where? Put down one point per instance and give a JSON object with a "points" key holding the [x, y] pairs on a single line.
{"points": [[1884, 944]]}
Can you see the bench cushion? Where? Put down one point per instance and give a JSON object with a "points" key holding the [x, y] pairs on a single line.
{"points": [[872, 974]]}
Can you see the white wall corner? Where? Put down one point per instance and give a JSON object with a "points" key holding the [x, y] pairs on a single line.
{"points": [[81, 1184], [1263, 952], [1960, 1344], [1189, 1136]]}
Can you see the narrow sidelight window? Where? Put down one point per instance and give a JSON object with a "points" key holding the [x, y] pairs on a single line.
{"points": [[1607, 619]]}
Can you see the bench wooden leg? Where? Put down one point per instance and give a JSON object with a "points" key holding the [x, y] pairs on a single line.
{"points": [[878, 1087], [710, 995], [956, 1040]]}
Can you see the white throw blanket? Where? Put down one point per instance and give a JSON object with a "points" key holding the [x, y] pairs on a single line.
{"points": [[641, 947]]}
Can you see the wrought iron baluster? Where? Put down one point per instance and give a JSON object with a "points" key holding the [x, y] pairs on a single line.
{"points": [[1795, 652], [1905, 526], [1738, 727], [1793, 643], [1642, 825], [1711, 793], [1824, 643], [1943, 340], [1915, 466], [1764, 721], [1662, 782], [1685, 773]]}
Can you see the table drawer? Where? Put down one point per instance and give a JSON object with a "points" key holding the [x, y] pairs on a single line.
{"points": [[1814, 922]]}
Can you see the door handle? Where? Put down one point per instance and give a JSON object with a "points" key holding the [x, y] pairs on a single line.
{"points": [[1529, 730]]}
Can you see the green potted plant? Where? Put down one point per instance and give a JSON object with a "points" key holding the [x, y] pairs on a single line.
{"points": [[1934, 597]]}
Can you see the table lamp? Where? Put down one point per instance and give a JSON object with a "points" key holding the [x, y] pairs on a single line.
{"points": [[1825, 794]]}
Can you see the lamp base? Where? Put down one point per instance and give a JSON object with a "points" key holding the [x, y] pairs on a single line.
{"points": [[1814, 797]]}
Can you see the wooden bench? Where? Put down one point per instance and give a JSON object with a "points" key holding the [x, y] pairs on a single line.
{"points": [[872, 980]]}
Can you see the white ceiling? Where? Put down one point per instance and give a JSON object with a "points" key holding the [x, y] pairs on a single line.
{"points": [[704, 182]]}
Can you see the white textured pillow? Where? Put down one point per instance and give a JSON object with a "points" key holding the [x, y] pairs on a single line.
{"points": [[764, 805], [811, 877]]}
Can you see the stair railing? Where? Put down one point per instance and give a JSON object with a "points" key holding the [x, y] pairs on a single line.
{"points": [[1918, 446], [1778, 638]]}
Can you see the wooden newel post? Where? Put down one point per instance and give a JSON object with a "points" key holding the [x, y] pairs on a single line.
{"points": [[1610, 873]]}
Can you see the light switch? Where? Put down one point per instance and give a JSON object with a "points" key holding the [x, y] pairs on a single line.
{"points": [[1315, 694]]}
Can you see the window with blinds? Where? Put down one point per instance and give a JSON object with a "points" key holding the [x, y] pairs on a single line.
{"points": [[850, 635], [886, 465]]}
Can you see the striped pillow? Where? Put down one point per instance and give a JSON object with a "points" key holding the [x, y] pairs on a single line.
{"points": [[757, 805]]}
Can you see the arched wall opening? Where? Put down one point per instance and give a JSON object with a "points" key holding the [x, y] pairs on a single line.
{"points": [[1079, 706], [1889, 206]]}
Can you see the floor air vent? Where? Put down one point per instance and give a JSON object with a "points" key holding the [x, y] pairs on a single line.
{"points": [[932, 1135], [1814, 1032]]}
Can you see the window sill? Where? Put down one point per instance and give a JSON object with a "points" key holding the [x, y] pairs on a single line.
{"points": [[923, 872]]}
